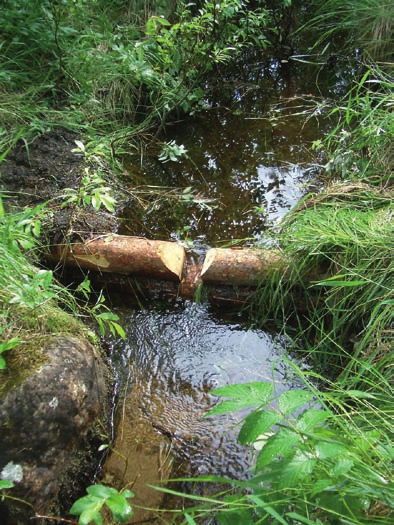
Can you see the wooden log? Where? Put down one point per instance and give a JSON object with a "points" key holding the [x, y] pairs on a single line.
{"points": [[125, 255], [240, 267]]}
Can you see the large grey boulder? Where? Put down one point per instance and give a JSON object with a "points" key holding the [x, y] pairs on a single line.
{"points": [[47, 424]]}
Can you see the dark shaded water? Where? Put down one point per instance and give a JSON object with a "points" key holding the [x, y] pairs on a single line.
{"points": [[249, 159]]}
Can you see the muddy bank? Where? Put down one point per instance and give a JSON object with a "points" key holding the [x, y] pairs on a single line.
{"points": [[40, 172], [55, 401]]}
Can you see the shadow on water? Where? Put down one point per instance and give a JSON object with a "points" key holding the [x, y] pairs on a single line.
{"points": [[249, 160]]}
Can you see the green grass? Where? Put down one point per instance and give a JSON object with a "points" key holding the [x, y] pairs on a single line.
{"points": [[33, 305], [346, 232], [363, 24]]}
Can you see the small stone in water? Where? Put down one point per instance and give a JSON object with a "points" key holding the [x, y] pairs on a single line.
{"points": [[12, 472]]}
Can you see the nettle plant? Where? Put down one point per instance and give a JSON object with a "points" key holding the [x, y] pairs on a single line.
{"points": [[92, 190], [308, 469], [88, 507]]}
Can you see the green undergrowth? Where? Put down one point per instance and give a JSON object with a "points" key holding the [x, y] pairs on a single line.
{"points": [[33, 305], [360, 145], [339, 295], [313, 465], [348, 232], [340, 291], [115, 71], [340, 26]]}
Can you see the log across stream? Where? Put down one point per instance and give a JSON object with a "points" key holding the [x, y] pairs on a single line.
{"points": [[230, 274]]}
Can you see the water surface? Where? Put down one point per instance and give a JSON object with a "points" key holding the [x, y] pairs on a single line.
{"points": [[249, 158]]}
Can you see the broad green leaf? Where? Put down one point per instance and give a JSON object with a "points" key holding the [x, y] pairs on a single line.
{"points": [[119, 330], [326, 449], [108, 201], [367, 440], [84, 503], [150, 28], [96, 202], [243, 395], [120, 507], [3, 364], [162, 21], [44, 277], [341, 467], [108, 316], [37, 228], [278, 445], [297, 469], [12, 343], [321, 485], [6, 483], [256, 424], [293, 399], [311, 418], [127, 493], [91, 513], [101, 491]]}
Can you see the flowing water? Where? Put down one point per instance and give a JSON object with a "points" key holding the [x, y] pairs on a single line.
{"points": [[249, 160], [170, 361]]}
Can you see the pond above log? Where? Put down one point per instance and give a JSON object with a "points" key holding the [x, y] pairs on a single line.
{"points": [[47, 427]]}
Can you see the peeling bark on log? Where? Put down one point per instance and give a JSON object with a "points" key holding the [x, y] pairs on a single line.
{"points": [[138, 266], [240, 267], [125, 255]]}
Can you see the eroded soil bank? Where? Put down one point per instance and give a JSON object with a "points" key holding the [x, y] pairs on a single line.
{"points": [[40, 172], [55, 394]]}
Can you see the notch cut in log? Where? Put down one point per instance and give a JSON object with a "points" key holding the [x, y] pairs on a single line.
{"points": [[125, 255]]}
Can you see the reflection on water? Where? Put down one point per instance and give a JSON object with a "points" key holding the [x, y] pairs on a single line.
{"points": [[250, 151], [192, 344], [171, 360]]}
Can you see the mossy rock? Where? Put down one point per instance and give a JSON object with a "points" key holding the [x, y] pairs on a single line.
{"points": [[46, 422]]}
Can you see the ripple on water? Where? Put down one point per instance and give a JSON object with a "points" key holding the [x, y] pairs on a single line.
{"points": [[173, 358]]}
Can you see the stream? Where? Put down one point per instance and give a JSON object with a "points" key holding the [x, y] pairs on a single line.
{"points": [[249, 160]]}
